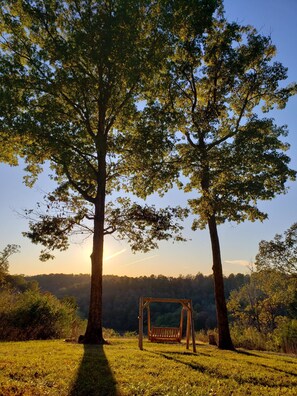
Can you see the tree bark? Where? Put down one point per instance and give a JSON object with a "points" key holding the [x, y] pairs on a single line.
{"points": [[94, 333], [224, 339]]}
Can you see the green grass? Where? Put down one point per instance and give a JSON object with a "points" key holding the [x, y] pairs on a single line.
{"points": [[60, 368]]}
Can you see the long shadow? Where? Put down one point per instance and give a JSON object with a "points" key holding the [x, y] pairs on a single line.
{"points": [[94, 376], [215, 372], [195, 366], [242, 352], [266, 365]]}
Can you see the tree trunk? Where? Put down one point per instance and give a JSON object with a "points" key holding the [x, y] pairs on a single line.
{"points": [[224, 341], [94, 334]]}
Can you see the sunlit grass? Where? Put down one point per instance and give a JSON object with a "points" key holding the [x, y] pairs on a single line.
{"points": [[60, 368]]}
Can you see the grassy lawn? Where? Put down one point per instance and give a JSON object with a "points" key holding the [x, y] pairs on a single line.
{"points": [[60, 368]]}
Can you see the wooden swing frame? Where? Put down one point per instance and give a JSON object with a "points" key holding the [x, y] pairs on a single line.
{"points": [[167, 334]]}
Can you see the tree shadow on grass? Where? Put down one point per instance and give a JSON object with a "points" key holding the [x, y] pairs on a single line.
{"points": [[269, 367], [216, 372], [94, 376]]}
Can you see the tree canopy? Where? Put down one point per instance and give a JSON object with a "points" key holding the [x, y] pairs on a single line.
{"points": [[71, 77], [207, 105], [280, 253], [267, 297]]}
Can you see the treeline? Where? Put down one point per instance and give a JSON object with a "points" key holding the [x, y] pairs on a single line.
{"points": [[261, 306], [121, 295]]}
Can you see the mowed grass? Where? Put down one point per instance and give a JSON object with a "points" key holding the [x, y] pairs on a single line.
{"points": [[60, 368]]}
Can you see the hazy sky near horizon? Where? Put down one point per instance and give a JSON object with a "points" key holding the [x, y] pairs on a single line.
{"points": [[239, 243]]}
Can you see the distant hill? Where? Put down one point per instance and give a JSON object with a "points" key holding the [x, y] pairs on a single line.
{"points": [[121, 295]]}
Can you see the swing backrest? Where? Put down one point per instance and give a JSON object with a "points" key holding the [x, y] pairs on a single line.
{"points": [[163, 334]]}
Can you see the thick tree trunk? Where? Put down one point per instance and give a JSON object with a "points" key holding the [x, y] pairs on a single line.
{"points": [[94, 334], [224, 341]]}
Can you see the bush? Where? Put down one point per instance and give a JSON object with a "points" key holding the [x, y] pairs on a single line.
{"points": [[110, 333], [282, 339], [288, 336], [35, 316], [202, 335], [130, 334], [250, 338], [8, 302]]}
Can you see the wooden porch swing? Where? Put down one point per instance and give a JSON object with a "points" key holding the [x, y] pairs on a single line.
{"points": [[167, 334]]}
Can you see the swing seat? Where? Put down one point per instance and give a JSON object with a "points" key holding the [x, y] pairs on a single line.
{"points": [[165, 334]]}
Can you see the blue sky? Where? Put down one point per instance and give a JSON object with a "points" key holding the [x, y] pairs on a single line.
{"points": [[239, 243]]}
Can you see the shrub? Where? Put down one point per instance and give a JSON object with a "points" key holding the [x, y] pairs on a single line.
{"points": [[201, 335], [282, 339], [110, 333], [35, 316], [8, 302], [250, 338], [130, 334], [288, 336]]}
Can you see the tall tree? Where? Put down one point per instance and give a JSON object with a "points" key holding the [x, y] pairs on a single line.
{"points": [[71, 72], [280, 253], [208, 101], [267, 297]]}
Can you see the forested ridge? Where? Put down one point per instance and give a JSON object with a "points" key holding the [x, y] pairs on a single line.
{"points": [[121, 294]]}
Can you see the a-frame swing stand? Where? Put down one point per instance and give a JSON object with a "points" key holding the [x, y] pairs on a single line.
{"points": [[167, 334]]}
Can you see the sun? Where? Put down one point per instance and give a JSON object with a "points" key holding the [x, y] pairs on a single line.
{"points": [[83, 251]]}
